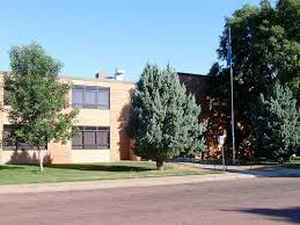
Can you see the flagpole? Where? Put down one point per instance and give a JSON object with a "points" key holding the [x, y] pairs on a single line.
{"points": [[232, 118], [232, 110]]}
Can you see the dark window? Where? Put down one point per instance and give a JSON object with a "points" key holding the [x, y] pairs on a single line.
{"points": [[90, 97], [91, 138], [10, 143]]}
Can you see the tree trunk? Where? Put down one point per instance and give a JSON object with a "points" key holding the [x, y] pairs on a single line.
{"points": [[159, 164], [41, 156]]}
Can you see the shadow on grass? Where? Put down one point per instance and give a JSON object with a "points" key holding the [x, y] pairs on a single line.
{"points": [[10, 167], [108, 168]]}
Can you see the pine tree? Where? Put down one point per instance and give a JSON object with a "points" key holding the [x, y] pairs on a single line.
{"points": [[163, 120], [276, 124]]}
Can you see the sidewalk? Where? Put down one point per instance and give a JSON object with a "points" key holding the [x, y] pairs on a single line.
{"points": [[108, 184], [255, 170]]}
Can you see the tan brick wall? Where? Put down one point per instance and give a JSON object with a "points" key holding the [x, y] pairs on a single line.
{"points": [[60, 153], [93, 117], [115, 118], [22, 156], [120, 142], [89, 156]]}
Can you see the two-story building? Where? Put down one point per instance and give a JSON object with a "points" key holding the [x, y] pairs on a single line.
{"points": [[104, 105]]}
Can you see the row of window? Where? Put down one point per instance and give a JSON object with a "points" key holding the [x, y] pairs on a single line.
{"points": [[92, 138], [88, 137], [86, 97], [90, 97]]}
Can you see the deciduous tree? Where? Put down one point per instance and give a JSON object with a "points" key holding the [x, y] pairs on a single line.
{"points": [[266, 49], [38, 100]]}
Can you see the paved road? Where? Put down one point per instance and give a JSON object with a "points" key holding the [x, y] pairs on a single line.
{"points": [[247, 201]]}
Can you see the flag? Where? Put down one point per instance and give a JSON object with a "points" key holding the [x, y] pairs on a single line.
{"points": [[229, 48]]}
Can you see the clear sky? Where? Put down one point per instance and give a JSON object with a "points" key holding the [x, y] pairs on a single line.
{"points": [[97, 35]]}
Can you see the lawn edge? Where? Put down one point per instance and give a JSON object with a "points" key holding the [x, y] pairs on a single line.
{"points": [[121, 183]]}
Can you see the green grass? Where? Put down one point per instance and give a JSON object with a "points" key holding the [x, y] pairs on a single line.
{"points": [[26, 174], [294, 164]]}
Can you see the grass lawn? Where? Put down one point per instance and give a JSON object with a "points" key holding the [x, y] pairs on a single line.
{"points": [[25, 174], [294, 164]]}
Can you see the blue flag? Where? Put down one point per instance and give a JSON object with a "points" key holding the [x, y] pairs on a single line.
{"points": [[229, 48]]}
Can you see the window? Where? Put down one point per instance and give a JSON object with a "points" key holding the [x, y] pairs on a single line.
{"points": [[10, 144], [77, 96], [103, 98], [92, 138], [90, 97]]}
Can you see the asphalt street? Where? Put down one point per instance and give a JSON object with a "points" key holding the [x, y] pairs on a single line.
{"points": [[247, 201]]}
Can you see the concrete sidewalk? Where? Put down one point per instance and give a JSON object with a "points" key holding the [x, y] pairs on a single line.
{"points": [[255, 170], [108, 184], [228, 167]]}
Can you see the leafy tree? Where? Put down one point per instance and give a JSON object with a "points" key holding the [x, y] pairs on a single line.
{"points": [[266, 44], [215, 70], [266, 48], [37, 99], [276, 124], [163, 120]]}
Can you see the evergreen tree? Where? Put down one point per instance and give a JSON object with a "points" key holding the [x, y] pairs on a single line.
{"points": [[266, 48], [276, 124], [37, 99], [163, 120]]}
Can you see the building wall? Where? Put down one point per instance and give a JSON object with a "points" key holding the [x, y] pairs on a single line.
{"points": [[202, 87], [115, 118]]}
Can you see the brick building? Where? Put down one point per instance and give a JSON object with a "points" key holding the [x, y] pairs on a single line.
{"points": [[202, 87], [104, 106]]}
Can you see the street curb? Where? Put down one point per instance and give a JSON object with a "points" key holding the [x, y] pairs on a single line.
{"points": [[228, 167], [125, 183]]}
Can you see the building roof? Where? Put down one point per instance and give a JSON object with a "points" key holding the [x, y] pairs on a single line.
{"points": [[67, 77], [70, 77], [200, 76]]}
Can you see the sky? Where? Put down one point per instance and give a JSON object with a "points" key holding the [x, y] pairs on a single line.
{"points": [[98, 36]]}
